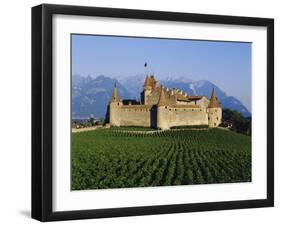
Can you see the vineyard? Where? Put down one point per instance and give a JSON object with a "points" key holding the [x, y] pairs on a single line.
{"points": [[107, 158]]}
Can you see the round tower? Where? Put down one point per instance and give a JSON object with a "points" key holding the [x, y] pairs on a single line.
{"points": [[114, 108], [162, 111], [214, 111]]}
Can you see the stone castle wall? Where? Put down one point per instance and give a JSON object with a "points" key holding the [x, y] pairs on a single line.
{"points": [[165, 117], [189, 116], [135, 116], [130, 115], [170, 117]]}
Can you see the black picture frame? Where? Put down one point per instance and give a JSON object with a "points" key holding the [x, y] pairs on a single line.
{"points": [[42, 111]]}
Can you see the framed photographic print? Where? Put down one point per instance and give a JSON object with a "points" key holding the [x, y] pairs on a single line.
{"points": [[146, 112]]}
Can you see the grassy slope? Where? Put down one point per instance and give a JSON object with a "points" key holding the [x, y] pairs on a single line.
{"points": [[113, 159]]}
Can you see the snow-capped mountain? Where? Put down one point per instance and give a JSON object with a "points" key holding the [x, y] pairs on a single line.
{"points": [[90, 95]]}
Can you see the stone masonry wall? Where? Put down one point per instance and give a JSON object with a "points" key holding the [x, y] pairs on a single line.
{"points": [[130, 116], [167, 117], [181, 117], [189, 116], [215, 117]]}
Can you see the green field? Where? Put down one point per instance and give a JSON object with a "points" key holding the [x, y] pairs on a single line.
{"points": [[108, 158]]}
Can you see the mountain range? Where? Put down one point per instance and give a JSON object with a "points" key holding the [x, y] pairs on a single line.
{"points": [[90, 95]]}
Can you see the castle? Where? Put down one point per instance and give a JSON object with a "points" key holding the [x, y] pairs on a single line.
{"points": [[164, 108]]}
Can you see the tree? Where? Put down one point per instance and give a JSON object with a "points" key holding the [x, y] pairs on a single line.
{"points": [[238, 122]]}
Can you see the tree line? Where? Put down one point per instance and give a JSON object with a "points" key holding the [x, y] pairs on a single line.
{"points": [[235, 121]]}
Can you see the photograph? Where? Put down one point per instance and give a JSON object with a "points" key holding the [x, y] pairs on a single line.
{"points": [[144, 112], [149, 111]]}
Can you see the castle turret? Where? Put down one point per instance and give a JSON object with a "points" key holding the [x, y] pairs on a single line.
{"points": [[162, 111], [147, 89], [214, 111], [115, 97], [114, 108]]}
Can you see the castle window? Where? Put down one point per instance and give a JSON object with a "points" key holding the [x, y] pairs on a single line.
{"points": [[217, 118], [208, 118], [215, 124], [192, 109], [165, 107], [216, 110]]}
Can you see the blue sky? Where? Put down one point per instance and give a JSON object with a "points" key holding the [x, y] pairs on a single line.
{"points": [[226, 64]]}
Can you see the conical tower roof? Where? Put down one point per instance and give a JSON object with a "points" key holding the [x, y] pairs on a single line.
{"points": [[214, 102], [150, 81], [162, 98], [146, 82], [115, 96]]}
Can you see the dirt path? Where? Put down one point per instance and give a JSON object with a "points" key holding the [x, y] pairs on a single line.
{"points": [[74, 130], [157, 131]]}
